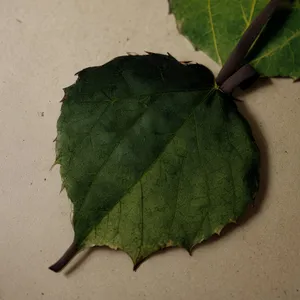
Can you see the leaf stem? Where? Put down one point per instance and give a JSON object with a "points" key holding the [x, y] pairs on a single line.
{"points": [[65, 259], [237, 56], [244, 73]]}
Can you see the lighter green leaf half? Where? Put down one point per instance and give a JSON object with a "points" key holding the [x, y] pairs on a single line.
{"points": [[215, 27]]}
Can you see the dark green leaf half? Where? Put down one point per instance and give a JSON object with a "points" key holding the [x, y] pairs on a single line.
{"points": [[215, 27], [152, 155]]}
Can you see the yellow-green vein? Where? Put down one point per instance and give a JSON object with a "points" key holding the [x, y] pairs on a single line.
{"points": [[271, 51], [248, 20], [244, 16], [253, 4], [213, 31]]}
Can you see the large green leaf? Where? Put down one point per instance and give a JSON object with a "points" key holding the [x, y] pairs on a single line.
{"points": [[215, 27], [152, 155]]}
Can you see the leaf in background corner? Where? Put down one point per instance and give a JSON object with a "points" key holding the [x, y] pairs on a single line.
{"points": [[152, 155], [215, 27]]}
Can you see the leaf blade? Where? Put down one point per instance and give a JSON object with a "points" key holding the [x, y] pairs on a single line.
{"points": [[277, 43], [150, 174]]}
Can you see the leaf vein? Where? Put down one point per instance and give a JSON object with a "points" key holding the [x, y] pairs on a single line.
{"points": [[244, 16], [213, 31], [155, 160], [121, 139], [271, 51], [253, 4]]}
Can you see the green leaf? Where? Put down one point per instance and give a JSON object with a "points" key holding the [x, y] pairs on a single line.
{"points": [[152, 155], [215, 27]]}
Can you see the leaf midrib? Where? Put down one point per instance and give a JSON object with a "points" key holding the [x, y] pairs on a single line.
{"points": [[152, 163], [158, 94]]}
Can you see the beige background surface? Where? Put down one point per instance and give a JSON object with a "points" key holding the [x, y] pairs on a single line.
{"points": [[42, 44]]}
